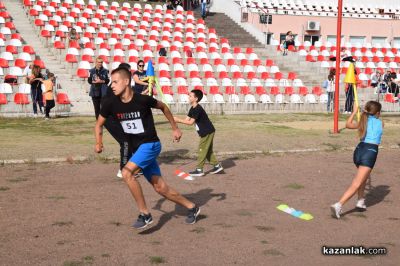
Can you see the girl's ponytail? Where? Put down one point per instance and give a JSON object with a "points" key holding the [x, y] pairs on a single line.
{"points": [[362, 125], [371, 108]]}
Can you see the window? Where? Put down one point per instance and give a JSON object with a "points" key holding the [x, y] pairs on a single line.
{"points": [[357, 39], [396, 42], [332, 39], [378, 40]]}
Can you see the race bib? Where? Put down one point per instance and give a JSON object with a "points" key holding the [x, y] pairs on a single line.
{"points": [[133, 126]]}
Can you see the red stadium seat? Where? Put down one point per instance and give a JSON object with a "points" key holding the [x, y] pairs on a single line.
{"points": [[230, 90], [245, 90], [251, 75], [167, 90], [82, 73], [70, 58], [274, 90], [265, 75], [303, 91], [11, 49], [3, 98], [39, 22], [317, 90], [278, 75], [21, 98], [28, 49], [237, 75], [183, 90], [45, 34], [208, 74], [292, 75], [62, 98], [289, 91], [310, 58], [390, 98], [260, 90], [28, 3], [222, 75], [20, 63], [190, 60], [40, 63], [269, 62], [214, 90], [3, 63], [59, 45], [257, 62]]}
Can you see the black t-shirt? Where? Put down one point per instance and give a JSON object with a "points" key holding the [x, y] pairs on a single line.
{"points": [[203, 123], [138, 88], [36, 86], [136, 118]]}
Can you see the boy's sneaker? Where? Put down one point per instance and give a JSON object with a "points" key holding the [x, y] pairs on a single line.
{"points": [[361, 204], [197, 172], [119, 174], [336, 210], [192, 215], [217, 168], [143, 221]]}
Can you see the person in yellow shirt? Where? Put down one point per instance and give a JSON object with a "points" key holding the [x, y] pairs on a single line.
{"points": [[49, 94]]}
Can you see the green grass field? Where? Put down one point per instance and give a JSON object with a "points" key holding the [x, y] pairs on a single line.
{"points": [[28, 138]]}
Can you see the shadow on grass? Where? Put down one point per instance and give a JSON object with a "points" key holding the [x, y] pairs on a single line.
{"points": [[200, 198]]}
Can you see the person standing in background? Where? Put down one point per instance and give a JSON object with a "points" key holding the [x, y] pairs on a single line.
{"points": [[203, 8], [49, 94], [36, 81], [139, 76], [98, 80], [330, 89]]}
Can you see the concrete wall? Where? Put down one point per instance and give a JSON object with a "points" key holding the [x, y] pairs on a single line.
{"points": [[298, 24], [350, 26]]}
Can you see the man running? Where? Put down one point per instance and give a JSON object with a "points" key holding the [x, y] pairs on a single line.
{"points": [[134, 113]]}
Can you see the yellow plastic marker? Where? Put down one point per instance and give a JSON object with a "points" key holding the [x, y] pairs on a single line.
{"points": [[294, 212]]}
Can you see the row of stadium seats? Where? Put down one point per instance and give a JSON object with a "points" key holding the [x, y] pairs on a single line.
{"points": [[319, 8], [215, 57]]}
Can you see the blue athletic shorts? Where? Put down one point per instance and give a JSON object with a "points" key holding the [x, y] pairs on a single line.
{"points": [[365, 154], [146, 158]]}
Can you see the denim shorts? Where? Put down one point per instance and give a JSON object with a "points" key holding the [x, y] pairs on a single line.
{"points": [[146, 158], [365, 154]]}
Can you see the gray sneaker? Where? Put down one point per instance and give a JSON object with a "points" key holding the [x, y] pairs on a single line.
{"points": [[192, 215], [217, 168], [336, 210], [361, 204], [143, 221]]}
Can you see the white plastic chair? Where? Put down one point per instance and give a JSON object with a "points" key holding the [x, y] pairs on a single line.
{"points": [[24, 88]]}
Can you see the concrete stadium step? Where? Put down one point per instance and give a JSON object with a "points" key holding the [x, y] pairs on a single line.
{"points": [[227, 28]]}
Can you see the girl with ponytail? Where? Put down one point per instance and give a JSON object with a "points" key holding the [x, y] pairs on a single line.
{"points": [[370, 129]]}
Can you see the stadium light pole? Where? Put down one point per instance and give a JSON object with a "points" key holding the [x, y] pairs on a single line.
{"points": [[337, 75]]}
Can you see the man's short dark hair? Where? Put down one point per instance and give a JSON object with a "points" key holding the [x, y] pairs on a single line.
{"points": [[198, 94], [125, 65], [124, 72]]}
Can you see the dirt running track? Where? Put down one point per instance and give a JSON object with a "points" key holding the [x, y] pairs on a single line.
{"points": [[80, 214]]}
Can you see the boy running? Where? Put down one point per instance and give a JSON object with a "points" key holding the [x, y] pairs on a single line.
{"points": [[206, 131], [134, 113]]}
